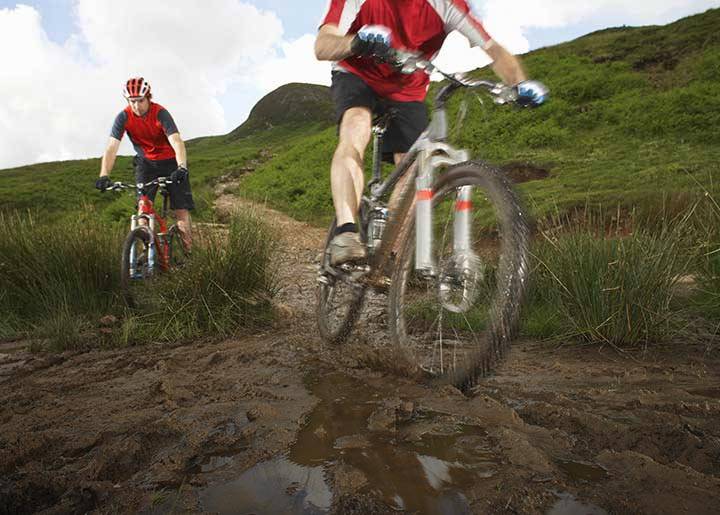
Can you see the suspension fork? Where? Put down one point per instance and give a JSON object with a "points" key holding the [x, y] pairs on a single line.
{"points": [[463, 221], [431, 158]]}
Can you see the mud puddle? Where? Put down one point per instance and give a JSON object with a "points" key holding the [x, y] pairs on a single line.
{"points": [[567, 504], [354, 439], [582, 471]]}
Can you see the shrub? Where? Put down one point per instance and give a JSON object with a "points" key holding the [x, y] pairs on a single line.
{"points": [[227, 286], [46, 269], [611, 289], [707, 270]]}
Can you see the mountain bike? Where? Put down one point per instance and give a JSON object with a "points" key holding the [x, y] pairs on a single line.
{"points": [[150, 246], [452, 254]]}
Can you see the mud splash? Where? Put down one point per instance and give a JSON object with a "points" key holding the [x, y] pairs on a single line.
{"points": [[390, 453]]}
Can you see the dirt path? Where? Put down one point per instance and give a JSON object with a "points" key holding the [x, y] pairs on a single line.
{"points": [[280, 423]]}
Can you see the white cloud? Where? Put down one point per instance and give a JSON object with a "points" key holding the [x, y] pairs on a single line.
{"points": [[296, 64], [59, 101], [507, 17]]}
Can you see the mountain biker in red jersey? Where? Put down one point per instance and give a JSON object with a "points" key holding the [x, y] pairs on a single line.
{"points": [[160, 151], [355, 32]]}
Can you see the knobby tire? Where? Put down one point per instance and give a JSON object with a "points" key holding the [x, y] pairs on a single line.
{"points": [[418, 329]]}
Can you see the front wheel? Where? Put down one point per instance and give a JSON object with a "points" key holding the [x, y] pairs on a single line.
{"points": [[340, 299], [456, 322], [135, 263]]}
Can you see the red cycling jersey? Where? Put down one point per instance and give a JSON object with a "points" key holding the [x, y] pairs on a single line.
{"points": [[148, 133], [416, 25]]}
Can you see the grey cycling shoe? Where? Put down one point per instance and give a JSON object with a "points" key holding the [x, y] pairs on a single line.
{"points": [[347, 247]]}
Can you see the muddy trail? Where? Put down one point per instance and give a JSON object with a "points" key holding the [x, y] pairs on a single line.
{"points": [[278, 423]]}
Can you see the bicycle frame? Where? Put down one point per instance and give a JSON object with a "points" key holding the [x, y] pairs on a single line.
{"points": [[430, 152], [158, 245]]}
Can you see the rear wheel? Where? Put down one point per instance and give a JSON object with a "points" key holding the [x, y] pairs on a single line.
{"points": [[135, 265], [340, 298], [456, 323]]}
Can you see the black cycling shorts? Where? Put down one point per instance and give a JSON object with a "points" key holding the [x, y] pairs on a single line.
{"points": [[147, 170], [409, 120]]}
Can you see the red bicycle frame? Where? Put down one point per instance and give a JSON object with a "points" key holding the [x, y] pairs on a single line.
{"points": [[147, 211]]}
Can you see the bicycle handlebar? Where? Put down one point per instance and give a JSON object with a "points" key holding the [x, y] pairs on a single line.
{"points": [[119, 186], [408, 62]]}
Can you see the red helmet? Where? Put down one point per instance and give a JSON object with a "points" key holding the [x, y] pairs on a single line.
{"points": [[136, 87]]}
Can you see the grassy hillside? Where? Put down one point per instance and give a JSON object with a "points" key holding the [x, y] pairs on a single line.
{"points": [[63, 189], [633, 120]]}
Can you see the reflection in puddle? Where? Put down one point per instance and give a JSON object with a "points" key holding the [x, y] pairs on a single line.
{"points": [[420, 466], [569, 505], [273, 487]]}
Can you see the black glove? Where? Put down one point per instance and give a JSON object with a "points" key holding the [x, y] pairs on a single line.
{"points": [[103, 183], [179, 175], [372, 40]]}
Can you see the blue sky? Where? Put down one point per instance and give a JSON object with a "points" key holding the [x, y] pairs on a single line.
{"points": [[210, 61]]}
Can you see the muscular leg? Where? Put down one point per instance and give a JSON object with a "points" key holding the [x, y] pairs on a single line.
{"points": [[183, 222], [346, 172]]}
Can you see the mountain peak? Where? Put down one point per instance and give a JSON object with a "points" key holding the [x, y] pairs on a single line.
{"points": [[289, 104]]}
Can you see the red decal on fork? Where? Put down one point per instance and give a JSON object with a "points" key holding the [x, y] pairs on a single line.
{"points": [[463, 205], [424, 195]]}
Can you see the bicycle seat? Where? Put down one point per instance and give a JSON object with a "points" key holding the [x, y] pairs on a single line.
{"points": [[382, 117]]}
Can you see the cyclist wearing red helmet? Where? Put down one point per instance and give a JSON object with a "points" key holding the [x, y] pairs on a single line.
{"points": [[160, 150], [355, 32]]}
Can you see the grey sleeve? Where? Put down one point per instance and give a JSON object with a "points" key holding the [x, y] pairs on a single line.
{"points": [[167, 122], [118, 128]]}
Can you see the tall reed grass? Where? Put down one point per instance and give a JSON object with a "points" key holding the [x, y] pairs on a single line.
{"points": [[611, 287], [58, 279], [51, 270], [707, 234], [227, 286]]}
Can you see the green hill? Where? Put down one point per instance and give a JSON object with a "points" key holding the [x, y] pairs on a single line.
{"points": [[633, 120]]}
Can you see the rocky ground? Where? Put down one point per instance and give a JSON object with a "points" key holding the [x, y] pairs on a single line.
{"points": [[278, 422]]}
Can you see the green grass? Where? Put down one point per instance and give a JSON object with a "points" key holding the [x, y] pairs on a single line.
{"points": [[227, 287], [632, 123], [629, 122], [58, 280], [51, 272], [608, 287], [706, 235]]}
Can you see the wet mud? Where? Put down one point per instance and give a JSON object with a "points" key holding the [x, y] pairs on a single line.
{"points": [[281, 423]]}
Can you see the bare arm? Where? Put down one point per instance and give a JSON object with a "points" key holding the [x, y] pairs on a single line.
{"points": [[178, 146], [506, 65], [331, 45], [108, 158]]}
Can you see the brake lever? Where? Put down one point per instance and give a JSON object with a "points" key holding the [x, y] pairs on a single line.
{"points": [[503, 94]]}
